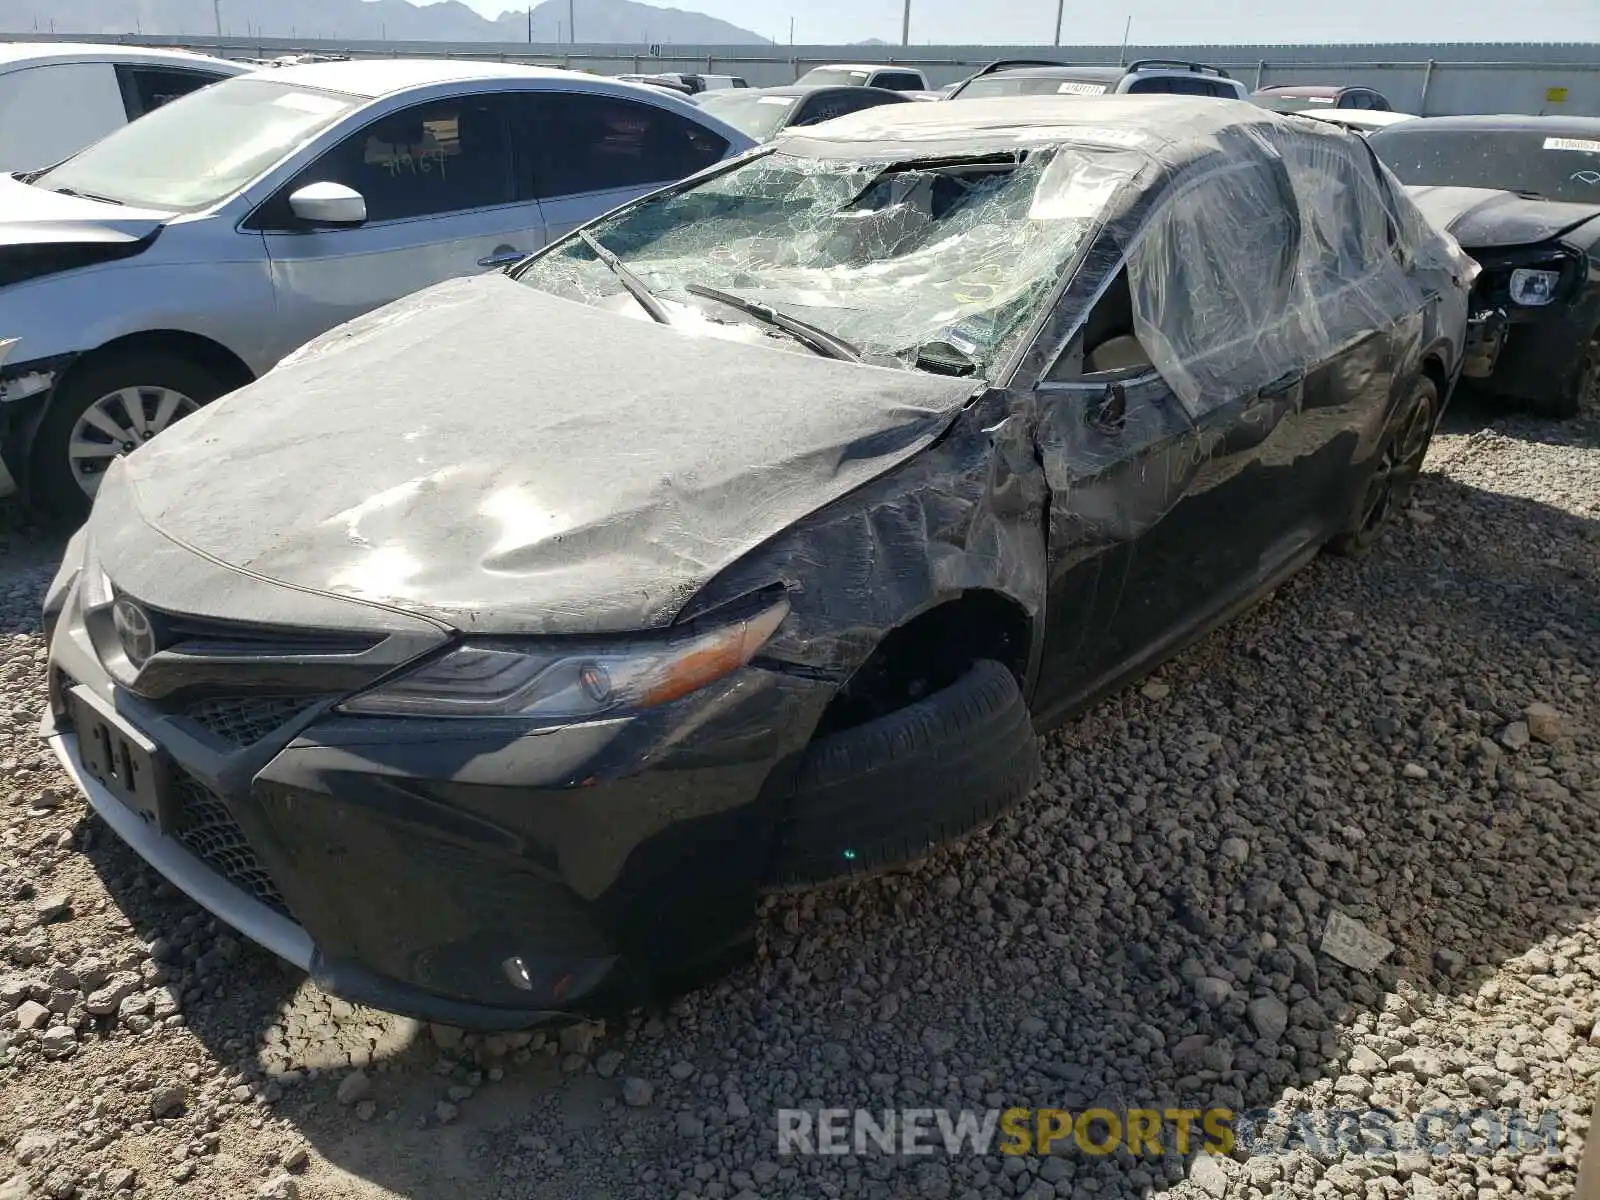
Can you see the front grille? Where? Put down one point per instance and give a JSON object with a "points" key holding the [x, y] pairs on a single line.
{"points": [[209, 832], [245, 720]]}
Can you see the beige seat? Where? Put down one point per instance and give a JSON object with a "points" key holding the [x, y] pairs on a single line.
{"points": [[1116, 354]]}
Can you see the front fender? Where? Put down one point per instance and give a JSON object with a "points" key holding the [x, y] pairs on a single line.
{"points": [[228, 302], [967, 514]]}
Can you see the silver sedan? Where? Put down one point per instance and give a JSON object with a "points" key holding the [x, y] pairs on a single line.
{"points": [[184, 255]]}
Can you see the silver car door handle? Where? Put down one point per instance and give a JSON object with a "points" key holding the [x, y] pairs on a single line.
{"points": [[502, 258]]}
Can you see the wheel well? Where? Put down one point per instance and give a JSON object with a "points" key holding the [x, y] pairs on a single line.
{"points": [[930, 652], [1433, 368], [229, 369]]}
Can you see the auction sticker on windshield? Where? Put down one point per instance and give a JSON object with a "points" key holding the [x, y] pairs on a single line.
{"points": [[1074, 88], [1560, 143]]}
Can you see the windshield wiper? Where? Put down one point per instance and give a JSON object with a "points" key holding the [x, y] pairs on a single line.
{"points": [[820, 340], [636, 286], [60, 191]]}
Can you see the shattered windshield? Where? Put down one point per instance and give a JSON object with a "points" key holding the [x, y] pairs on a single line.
{"points": [[940, 265], [1532, 162]]}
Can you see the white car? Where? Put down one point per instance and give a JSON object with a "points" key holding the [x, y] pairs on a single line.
{"points": [[58, 97], [894, 79], [1357, 120], [188, 252]]}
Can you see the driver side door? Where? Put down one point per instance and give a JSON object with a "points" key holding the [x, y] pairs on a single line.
{"points": [[1159, 427], [440, 187]]}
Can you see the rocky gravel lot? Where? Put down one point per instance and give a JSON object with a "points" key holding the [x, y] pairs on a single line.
{"points": [[1412, 740]]}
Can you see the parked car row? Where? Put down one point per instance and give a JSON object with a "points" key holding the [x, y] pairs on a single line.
{"points": [[57, 97], [687, 84], [184, 255], [493, 652], [1522, 196]]}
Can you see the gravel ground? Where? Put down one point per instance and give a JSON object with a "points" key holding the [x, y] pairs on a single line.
{"points": [[1142, 932]]}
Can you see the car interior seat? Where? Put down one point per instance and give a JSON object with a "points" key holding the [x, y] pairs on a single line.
{"points": [[1109, 340]]}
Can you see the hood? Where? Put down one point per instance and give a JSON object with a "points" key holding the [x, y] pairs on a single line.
{"points": [[1485, 219], [31, 216], [505, 460]]}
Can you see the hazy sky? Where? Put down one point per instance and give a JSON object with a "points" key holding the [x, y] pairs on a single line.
{"points": [[1154, 21]]}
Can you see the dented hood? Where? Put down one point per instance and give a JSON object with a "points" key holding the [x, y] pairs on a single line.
{"points": [[31, 216], [1484, 219], [504, 460]]}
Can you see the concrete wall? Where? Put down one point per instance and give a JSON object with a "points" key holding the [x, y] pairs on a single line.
{"points": [[1427, 78]]}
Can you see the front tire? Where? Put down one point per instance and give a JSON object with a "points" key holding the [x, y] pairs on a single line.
{"points": [[105, 410], [1584, 389], [885, 794], [1388, 487]]}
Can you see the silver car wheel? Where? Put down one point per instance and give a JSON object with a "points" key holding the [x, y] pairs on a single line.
{"points": [[118, 424]]}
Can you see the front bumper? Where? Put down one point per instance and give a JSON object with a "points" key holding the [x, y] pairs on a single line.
{"points": [[1528, 353], [25, 391], [475, 873]]}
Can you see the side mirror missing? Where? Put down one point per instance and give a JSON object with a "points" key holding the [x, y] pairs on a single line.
{"points": [[329, 204]]}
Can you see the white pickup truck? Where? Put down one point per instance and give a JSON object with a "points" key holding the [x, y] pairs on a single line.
{"points": [[895, 79]]}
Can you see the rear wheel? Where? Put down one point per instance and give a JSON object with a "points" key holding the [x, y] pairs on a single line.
{"points": [[106, 410], [1387, 489]]}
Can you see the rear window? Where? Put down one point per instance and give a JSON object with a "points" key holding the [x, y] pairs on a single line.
{"points": [[898, 81], [751, 113], [1180, 85], [1292, 104], [837, 77], [1001, 84]]}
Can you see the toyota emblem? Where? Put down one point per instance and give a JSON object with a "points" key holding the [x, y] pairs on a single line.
{"points": [[134, 631]]}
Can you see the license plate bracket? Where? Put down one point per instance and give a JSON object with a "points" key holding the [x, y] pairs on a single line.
{"points": [[124, 761]]}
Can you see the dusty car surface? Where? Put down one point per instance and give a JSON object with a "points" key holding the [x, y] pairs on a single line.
{"points": [[1522, 196], [744, 539]]}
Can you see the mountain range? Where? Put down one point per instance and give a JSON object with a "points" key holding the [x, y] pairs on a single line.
{"points": [[597, 21]]}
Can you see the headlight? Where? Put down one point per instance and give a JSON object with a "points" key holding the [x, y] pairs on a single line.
{"points": [[1533, 289], [502, 680]]}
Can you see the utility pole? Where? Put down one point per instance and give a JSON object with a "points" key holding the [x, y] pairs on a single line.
{"points": [[530, 25], [1061, 11], [791, 31], [1127, 29], [572, 23], [905, 25], [216, 11]]}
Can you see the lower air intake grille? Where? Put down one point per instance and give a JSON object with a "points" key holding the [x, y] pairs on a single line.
{"points": [[245, 720], [209, 832]]}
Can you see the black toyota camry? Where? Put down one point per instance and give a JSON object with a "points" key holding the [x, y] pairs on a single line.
{"points": [[1522, 196], [496, 651]]}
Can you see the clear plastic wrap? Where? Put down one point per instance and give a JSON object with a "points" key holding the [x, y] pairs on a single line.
{"points": [[1271, 254]]}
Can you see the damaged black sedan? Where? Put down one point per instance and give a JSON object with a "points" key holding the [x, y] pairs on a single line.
{"points": [[1522, 196], [493, 654]]}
